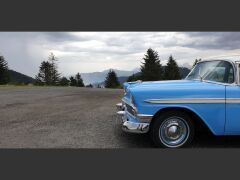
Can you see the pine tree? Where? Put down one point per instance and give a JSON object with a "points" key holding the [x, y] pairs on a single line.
{"points": [[73, 81], [134, 77], [131, 78], [151, 68], [4, 74], [48, 73], [79, 80], [89, 86], [64, 81], [44, 76], [172, 70], [111, 80], [54, 72]]}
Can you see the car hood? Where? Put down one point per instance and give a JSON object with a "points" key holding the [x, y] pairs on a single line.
{"points": [[176, 84], [175, 89]]}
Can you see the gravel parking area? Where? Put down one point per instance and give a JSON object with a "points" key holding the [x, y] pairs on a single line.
{"points": [[69, 117]]}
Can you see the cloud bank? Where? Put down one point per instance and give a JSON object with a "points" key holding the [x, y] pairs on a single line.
{"points": [[97, 51]]}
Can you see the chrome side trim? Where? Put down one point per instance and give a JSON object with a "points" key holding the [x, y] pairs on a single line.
{"points": [[195, 101], [187, 101], [144, 117], [233, 101]]}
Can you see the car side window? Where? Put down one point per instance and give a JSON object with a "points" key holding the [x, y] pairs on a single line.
{"points": [[231, 76], [222, 72]]}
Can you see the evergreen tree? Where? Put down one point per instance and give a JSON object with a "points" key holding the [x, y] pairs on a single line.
{"points": [[79, 80], [54, 72], [89, 86], [172, 70], [131, 78], [4, 74], [48, 73], [151, 68], [64, 81], [134, 77], [73, 81], [44, 76], [111, 80]]}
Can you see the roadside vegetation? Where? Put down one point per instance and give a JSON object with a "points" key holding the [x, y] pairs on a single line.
{"points": [[4, 75], [112, 80], [151, 69], [49, 76]]}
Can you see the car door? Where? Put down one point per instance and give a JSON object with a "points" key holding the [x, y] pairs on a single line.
{"points": [[232, 126]]}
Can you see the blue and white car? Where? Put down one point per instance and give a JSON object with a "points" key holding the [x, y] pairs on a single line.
{"points": [[172, 111]]}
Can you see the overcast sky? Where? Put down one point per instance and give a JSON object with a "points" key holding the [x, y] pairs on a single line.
{"points": [[97, 51]]}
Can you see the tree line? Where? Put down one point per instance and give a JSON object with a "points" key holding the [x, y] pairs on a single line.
{"points": [[4, 75], [49, 76], [151, 69]]}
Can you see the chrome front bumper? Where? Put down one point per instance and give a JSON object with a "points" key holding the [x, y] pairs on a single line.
{"points": [[132, 127], [119, 106]]}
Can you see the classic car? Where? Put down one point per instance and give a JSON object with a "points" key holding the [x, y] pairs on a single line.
{"points": [[172, 111]]}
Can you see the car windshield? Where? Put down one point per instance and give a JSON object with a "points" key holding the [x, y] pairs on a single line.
{"points": [[218, 71]]}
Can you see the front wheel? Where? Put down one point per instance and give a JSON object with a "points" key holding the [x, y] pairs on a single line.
{"points": [[172, 129]]}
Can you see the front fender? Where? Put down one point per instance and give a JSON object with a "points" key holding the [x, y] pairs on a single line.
{"points": [[212, 116]]}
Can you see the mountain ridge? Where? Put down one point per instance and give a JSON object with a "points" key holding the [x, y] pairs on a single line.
{"points": [[17, 77]]}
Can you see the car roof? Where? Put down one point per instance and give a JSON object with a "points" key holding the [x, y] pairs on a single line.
{"points": [[232, 60]]}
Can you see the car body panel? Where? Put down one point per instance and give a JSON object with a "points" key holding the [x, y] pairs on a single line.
{"points": [[232, 111], [216, 104], [182, 89]]}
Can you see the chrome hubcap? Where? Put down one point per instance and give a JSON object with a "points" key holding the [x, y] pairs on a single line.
{"points": [[174, 132]]}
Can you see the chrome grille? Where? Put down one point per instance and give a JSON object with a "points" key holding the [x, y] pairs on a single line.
{"points": [[130, 109]]}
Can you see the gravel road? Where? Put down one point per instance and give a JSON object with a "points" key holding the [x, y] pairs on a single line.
{"points": [[68, 117]]}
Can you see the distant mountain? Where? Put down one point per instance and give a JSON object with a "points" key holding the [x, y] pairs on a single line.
{"points": [[16, 77], [183, 72], [98, 77], [187, 65], [121, 79]]}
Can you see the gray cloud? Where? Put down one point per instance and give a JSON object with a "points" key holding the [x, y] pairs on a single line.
{"points": [[96, 51], [61, 36], [214, 40]]}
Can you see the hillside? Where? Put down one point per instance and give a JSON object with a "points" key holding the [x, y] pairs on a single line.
{"points": [[183, 72], [99, 77], [96, 77], [16, 77]]}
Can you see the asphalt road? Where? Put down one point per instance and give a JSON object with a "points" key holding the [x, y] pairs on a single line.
{"points": [[68, 117]]}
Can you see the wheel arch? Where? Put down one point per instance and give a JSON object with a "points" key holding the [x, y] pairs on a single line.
{"points": [[199, 123]]}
